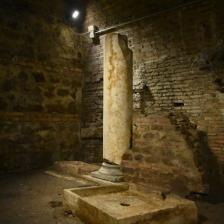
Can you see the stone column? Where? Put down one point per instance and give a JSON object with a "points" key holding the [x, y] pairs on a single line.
{"points": [[117, 105]]}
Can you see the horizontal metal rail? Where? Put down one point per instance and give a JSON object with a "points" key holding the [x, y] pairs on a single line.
{"points": [[121, 25]]}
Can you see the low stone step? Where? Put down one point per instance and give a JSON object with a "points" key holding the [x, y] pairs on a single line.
{"points": [[74, 168]]}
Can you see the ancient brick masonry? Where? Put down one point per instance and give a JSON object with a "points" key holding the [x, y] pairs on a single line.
{"points": [[178, 89], [92, 104], [40, 85], [160, 156], [172, 76]]}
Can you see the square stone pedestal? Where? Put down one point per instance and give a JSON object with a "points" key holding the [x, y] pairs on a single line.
{"points": [[117, 205]]}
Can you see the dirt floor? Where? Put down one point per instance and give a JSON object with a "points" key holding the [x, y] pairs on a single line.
{"points": [[210, 213], [36, 198]]}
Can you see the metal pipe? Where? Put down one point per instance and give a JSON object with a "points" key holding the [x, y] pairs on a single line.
{"points": [[115, 27]]}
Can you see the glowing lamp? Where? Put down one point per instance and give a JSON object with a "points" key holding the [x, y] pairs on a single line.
{"points": [[75, 14]]}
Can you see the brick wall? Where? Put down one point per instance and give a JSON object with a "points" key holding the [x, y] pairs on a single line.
{"points": [[92, 104], [178, 74], [40, 85], [160, 156]]}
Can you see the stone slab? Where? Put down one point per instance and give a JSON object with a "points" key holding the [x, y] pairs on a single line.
{"points": [[107, 177], [74, 168], [102, 182], [117, 205]]}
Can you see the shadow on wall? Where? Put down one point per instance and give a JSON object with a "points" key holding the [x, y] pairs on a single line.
{"points": [[212, 60], [211, 172], [204, 158], [147, 99]]}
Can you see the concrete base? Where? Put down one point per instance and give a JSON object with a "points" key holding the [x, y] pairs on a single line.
{"points": [[117, 205], [109, 172]]}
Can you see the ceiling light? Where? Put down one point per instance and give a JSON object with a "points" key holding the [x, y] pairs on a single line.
{"points": [[75, 14]]}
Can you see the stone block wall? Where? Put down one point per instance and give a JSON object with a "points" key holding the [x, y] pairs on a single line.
{"points": [[40, 85], [178, 91]]}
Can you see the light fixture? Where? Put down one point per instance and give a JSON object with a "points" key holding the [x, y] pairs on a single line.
{"points": [[75, 14]]}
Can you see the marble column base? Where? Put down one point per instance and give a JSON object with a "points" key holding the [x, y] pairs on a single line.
{"points": [[109, 172]]}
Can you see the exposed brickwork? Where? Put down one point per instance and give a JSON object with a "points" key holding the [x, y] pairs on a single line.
{"points": [[161, 156], [92, 104], [40, 85], [176, 69], [178, 89]]}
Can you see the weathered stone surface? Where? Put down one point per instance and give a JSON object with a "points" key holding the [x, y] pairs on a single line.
{"points": [[114, 204], [170, 75], [74, 168], [165, 157], [40, 72], [109, 172], [32, 140], [117, 110]]}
